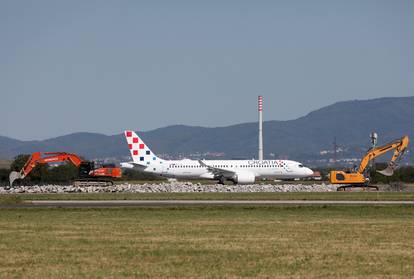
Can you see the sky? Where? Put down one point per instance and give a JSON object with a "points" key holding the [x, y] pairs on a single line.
{"points": [[105, 66]]}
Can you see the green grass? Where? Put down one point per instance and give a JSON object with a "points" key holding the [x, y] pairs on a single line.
{"points": [[358, 196], [204, 242], [10, 199]]}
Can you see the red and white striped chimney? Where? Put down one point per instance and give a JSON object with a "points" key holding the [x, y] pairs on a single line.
{"points": [[260, 108]]}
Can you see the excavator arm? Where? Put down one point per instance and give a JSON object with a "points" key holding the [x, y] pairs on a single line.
{"points": [[357, 178], [43, 158], [91, 175], [399, 146], [398, 153]]}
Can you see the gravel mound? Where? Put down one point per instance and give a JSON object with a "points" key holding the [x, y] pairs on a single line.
{"points": [[174, 187]]}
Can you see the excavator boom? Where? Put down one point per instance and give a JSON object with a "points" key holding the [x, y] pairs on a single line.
{"points": [[43, 158], [358, 178], [54, 157], [399, 146], [48, 157]]}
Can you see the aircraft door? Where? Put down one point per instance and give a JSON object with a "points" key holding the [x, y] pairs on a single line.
{"points": [[287, 168], [165, 169]]}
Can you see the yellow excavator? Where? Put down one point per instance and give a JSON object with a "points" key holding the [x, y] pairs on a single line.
{"points": [[358, 177]]}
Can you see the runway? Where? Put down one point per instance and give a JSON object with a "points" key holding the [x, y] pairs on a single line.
{"points": [[178, 203]]}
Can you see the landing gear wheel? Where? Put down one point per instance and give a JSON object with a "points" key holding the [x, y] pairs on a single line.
{"points": [[221, 181]]}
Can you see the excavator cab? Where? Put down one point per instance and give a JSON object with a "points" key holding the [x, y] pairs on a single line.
{"points": [[85, 168], [92, 170], [341, 177]]}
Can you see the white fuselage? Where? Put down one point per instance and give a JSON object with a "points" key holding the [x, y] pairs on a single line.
{"points": [[238, 171], [277, 169]]}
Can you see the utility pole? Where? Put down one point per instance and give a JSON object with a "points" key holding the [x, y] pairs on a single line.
{"points": [[260, 108], [374, 141], [335, 149]]}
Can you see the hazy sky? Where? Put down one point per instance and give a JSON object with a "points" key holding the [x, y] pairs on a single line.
{"points": [[105, 66]]}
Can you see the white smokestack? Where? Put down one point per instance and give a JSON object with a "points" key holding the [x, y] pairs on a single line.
{"points": [[260, 107]]}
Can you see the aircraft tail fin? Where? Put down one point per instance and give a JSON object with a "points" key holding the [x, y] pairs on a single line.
{"points": [[140, 152]]}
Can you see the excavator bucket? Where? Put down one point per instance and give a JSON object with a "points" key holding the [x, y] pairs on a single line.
{"points": [[389, 171], [13, 176]]}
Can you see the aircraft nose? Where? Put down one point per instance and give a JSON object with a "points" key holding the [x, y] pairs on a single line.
{"points": [[308, 171]]}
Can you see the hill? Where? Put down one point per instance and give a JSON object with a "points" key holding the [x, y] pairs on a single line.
{"points": [[349, 122]]}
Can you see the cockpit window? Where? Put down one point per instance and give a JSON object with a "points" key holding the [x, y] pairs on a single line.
{"points": [[300, 166]]}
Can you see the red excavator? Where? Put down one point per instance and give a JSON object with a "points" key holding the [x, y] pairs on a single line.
{"points": [[88, 174]]}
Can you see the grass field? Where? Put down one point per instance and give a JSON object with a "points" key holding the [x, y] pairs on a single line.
{"points": [[5, 164], [358, 196], [209, 242]]}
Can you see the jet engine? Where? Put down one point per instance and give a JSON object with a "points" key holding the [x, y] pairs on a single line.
{"points": [[244, 178]]}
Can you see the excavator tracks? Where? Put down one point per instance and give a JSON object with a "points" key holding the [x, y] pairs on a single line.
{"points": [[357, 188]]}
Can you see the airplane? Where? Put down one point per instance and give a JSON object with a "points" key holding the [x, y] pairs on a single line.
{"points": [[237, 171]]}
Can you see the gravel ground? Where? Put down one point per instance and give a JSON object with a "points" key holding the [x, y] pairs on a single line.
{"points": [[177, 187]]}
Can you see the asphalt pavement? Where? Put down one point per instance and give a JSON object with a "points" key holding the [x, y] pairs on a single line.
{"points": [[175, 203]]}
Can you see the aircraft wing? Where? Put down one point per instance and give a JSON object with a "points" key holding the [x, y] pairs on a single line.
{"points": [[217, 171]]}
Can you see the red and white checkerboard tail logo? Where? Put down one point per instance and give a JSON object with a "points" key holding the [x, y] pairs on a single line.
{"points": [[140, 152]]}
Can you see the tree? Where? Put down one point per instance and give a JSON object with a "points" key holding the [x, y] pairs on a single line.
{"points": [[4, 176], [130, 174], [62, 174], [19, 162]]}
